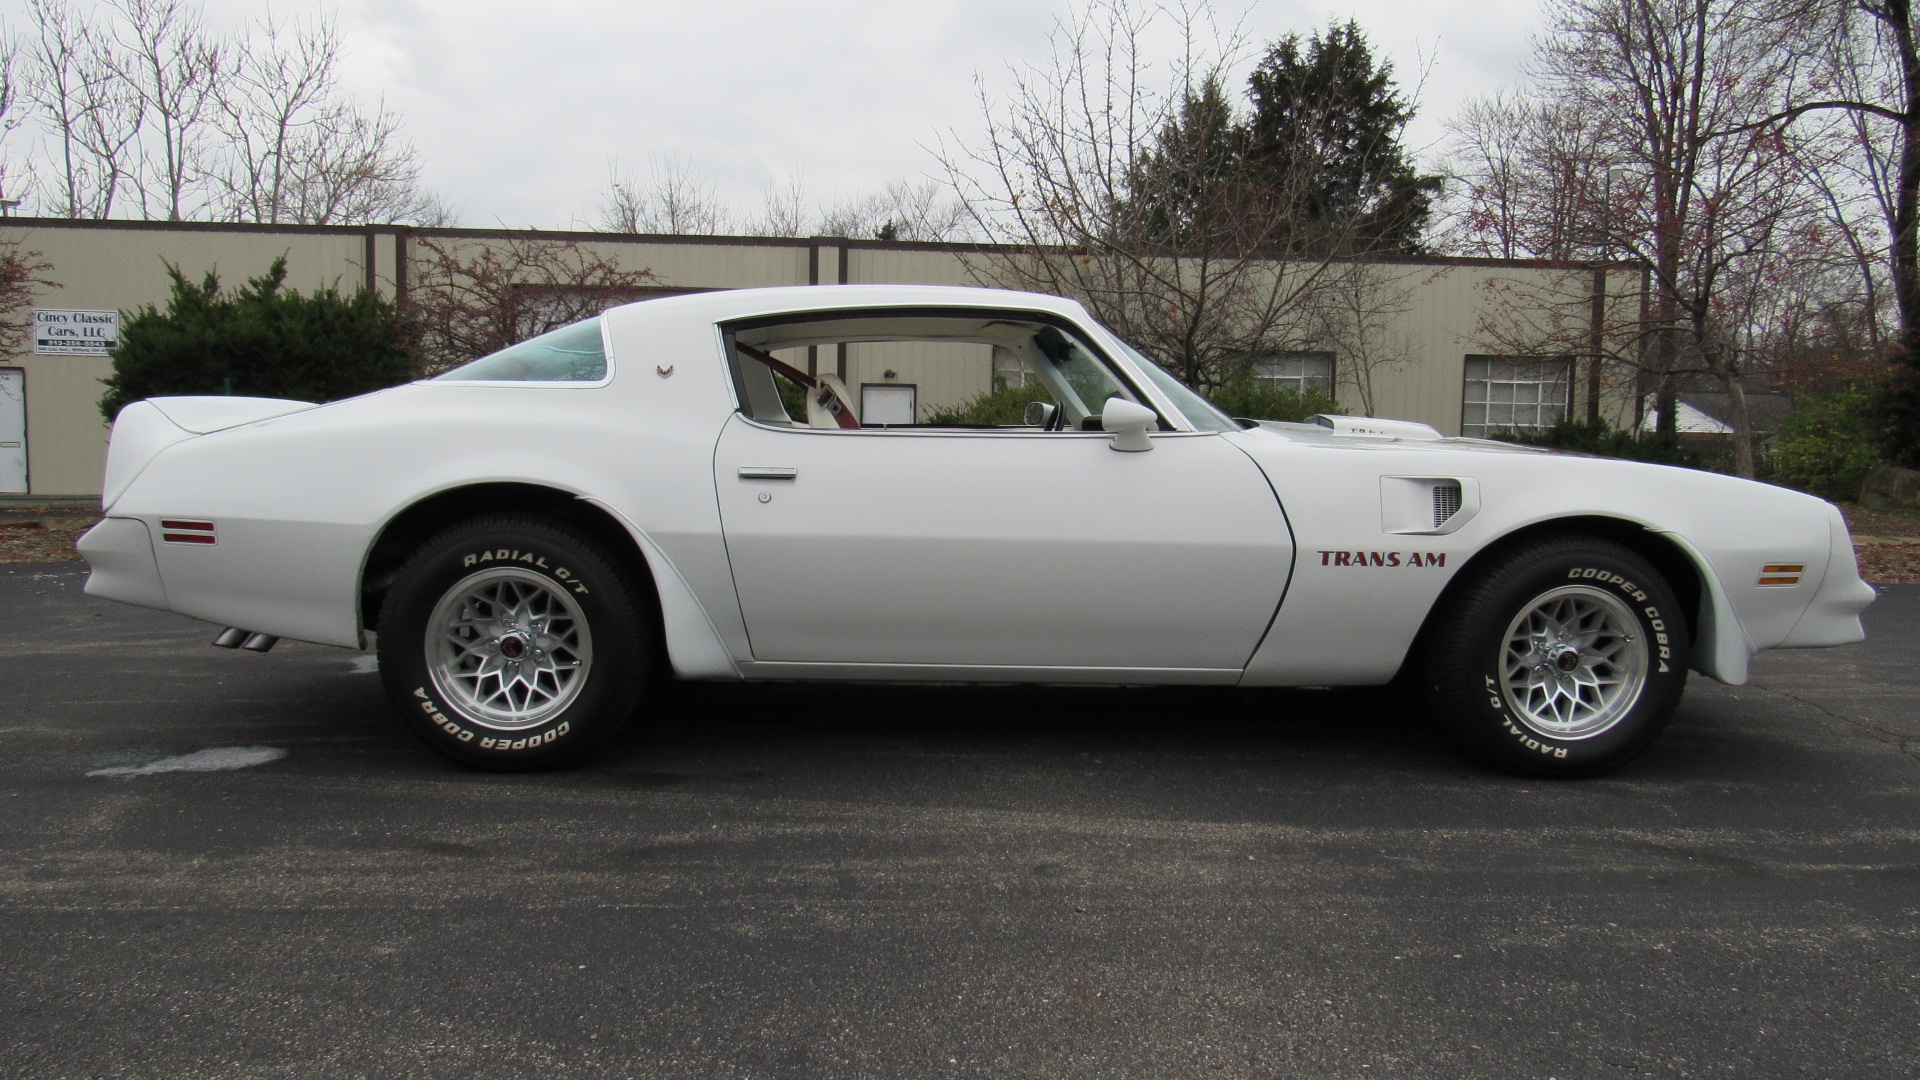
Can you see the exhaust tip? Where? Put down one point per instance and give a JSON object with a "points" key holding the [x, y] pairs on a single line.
{"points": [[259, 642], [230, 638]]}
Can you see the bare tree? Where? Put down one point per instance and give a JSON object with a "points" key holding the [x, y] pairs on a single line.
{"points": [[783, 209], [1865, 68], [470, 298], [22, 276], [10, 115], [141, 103], [904, 210], [1117, 187], [672, 199], [1523, 169], [297, 150], [1356, 315], [176, 66], [1645, 137], [93, 115]]}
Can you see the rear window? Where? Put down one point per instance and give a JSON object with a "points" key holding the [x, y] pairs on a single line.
{"points": [[570, 354]]}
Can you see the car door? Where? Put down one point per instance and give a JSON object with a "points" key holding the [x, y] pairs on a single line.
{"points": [[1016, 549]]}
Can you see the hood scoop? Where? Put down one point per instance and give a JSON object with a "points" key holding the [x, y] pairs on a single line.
{"points": [[1379, 429]]}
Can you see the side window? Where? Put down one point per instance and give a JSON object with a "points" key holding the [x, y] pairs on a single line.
{"points": [[570, 354], [919, 370]]}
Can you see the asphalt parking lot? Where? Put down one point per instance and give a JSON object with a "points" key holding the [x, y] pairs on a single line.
{"points": [[872, 882]]}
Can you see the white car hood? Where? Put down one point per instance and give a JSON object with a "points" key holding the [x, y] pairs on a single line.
{"points": [[1315, 435]]}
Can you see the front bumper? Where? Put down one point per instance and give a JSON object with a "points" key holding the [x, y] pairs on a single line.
{"points": [[1833, 615]]}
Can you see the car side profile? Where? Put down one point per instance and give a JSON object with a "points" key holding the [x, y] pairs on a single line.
{"points": [[687, 486]]}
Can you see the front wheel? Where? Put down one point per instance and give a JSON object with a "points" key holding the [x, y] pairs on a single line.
{"points": [[1564, 657], [512, 643]]}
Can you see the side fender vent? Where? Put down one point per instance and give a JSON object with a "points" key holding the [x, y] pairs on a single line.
{"points": [[1446, 501], [1427, 505]]}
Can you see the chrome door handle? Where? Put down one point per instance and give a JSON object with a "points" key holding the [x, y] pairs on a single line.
{"points": [[767, 472]]}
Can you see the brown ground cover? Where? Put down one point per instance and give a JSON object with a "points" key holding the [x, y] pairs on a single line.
{"points": [[42, 535], [1886, 541]]}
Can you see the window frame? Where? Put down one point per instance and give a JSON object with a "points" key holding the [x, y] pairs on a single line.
{"points": [[1559, 368], [606, 347], [1120, 372], [1298, 384]]}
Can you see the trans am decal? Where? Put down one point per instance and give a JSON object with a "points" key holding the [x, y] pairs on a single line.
{"points": [[1383, 558]]}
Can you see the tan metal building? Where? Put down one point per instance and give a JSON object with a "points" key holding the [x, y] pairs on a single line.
{"points": [[1436, 361]]}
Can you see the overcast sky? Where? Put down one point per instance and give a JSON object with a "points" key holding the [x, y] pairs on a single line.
{"points": [[518, 107]]}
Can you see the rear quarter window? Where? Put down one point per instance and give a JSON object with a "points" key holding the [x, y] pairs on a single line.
{"points": [[571, 354]]}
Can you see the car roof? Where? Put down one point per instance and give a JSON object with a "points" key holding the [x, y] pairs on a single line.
{"points": [[728, 304]]}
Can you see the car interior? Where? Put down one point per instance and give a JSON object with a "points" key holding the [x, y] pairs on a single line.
{"points": [[1025, 374]]}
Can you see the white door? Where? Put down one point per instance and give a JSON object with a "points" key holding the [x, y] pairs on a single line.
{"points": [[1025, 550], [13, 430]]}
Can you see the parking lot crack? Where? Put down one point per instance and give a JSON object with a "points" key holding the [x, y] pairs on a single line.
{"points": [[1905, 744]]}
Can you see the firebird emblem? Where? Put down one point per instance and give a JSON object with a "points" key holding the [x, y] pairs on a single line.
{"points": [[665, 372]]}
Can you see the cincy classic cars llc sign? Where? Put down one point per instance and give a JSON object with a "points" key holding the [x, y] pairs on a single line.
{"points": [[66, 332]]}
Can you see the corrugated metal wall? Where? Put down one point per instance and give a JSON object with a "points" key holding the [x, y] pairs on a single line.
{"points": [[1435, 319]]}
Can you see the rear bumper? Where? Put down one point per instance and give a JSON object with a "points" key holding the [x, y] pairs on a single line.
{"points": [[119, 553]]}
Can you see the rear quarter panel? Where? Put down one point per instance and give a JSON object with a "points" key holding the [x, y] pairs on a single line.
{"points": [[298, 500]]}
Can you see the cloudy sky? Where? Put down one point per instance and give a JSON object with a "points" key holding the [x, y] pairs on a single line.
{"points": [[518, 107]]}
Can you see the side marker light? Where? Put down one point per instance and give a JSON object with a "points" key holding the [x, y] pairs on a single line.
{"points": [[175, 531]]}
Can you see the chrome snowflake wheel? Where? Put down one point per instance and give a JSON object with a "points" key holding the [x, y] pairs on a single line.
{"points": [[1574, 662], [508, 649]]}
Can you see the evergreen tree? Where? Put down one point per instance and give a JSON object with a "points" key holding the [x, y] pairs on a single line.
{"points": [[1189, 192], [1324, 137], [262, 340]]}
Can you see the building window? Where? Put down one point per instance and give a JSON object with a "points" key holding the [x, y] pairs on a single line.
{"points": [[882, 404], [1300, 372], [1505, 393], [1008, 369]]}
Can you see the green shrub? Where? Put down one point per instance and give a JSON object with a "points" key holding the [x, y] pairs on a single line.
{"points": [[1246, 398], [793, 397], [1894, 409], [1825, 446], [1002, 405], [1605, 440], [261, 340]]}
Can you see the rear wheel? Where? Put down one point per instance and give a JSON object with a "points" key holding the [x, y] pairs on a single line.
{"points": [[511, 643], [1564, 657]]}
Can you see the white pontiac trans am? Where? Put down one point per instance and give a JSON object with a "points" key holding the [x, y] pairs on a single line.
{"points": [[534, 536]]}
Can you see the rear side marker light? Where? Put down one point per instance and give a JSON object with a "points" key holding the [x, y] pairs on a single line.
{"points": [[1781, 575], [187, 532]]}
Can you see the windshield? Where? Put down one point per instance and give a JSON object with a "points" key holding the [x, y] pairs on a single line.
{"points": [[1198, 410], [570, 354]]}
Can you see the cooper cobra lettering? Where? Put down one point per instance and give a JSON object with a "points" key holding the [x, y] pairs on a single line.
{"points": [[527, 742]]}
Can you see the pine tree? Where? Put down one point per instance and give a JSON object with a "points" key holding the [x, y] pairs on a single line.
{"points": [[1324, 137], [262, 340], [1188, 194]]}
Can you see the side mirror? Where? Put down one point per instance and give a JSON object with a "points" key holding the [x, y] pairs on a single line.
{"points": [[1129, 424], [1040, 414]]}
